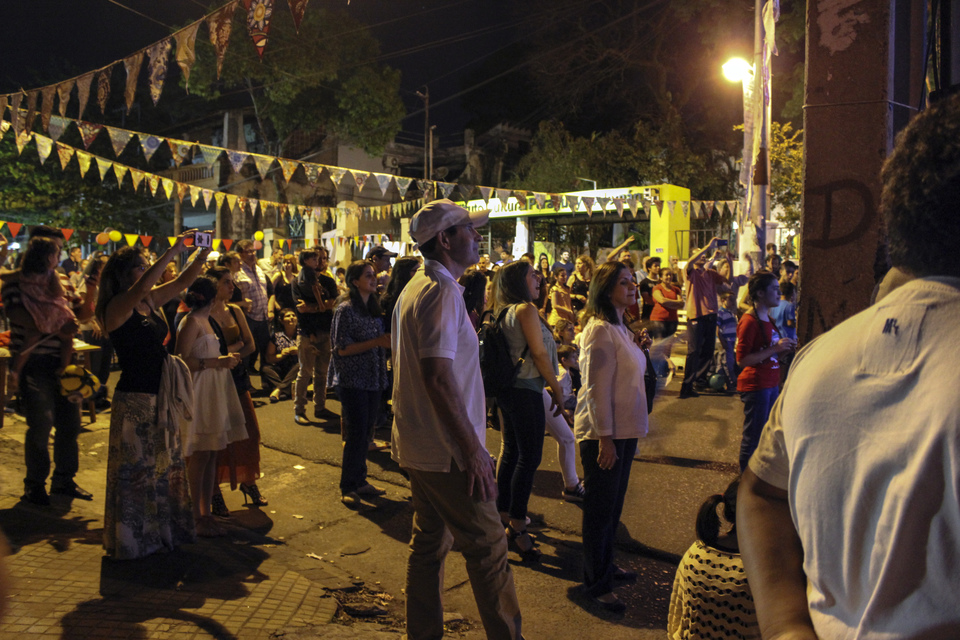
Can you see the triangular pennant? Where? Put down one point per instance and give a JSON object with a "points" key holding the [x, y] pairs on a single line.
{"points": [[168, 186], [710, 204], [503, 195], [182, 190], [65, 154], [56, 127], [588, 204], [83, 91], [136, 176], [289, 167], [297, 7], [466, 190], [103, 165], [219, 25], [131, 238], [149, 143], [426, 188], [403, 184], [360, 177], [146, 240], [44, 147], [85, 159], [263, 163], [603, 204], [15, 101], [383, 180], [153, 181], [237, 159], [632, 203], [159, 53], [216, 244], [446, 188], [557, 201], [312, 171], [227, 243], [241, 203], [618, 203], [259, 13], [195, 194], [22, 140], [485, 194], [540, 199], [89, 132], [103, 89], [14, 228], [186, 40], [231, 201], [207, 195], [685, 207], [671, 205], [63, 92], [132, 64], [180, 150], [46, 106], [573, 202], [119, 139], [120, 171], [210, 154], [66, 234], [219, 197], [171, 240], [32, 97], [336, 174], [657, 207]]}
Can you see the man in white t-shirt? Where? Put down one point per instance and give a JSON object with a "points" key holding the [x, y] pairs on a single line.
{"points": [[849, 515], [439, 430]]}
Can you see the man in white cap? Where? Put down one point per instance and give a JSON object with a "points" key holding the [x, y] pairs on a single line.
{"points": [[440, 441]]}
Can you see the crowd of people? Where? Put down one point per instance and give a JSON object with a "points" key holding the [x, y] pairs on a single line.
{"points": [[578, 335]]}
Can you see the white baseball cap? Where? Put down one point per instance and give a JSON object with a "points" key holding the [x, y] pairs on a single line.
{"points": [[438, 215]]}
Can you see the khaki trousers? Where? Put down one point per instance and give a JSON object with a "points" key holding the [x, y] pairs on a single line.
{"points": [[314, 355], [443, 513]]}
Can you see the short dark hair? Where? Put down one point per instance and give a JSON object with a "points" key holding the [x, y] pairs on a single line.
{"points": [[243, 245], [308, 254], [43, 231], [787, 288], [564, 351], [36, 259], [650, 260], [921, 189]]}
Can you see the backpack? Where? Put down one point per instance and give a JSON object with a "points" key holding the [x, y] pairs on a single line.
{"points": [[497, 369]]}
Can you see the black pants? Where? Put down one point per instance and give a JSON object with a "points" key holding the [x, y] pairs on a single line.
{"points": [[359, 410], [45, 408], [521, 448], [280, 376], [602, 505], [701, 341]]}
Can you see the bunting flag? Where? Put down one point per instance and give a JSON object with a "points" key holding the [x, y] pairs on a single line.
{"points": [[685, 207], [618, 204], [146, 240], [56, 127], [85, 159], [89, 132], [446, 188], [15, 101], [383, 180], [207, 195], [231, 201], [186, 40], [44, 147], [131, 238], [485, 194], [180, 151], [65, 153], [66, 234], [172, 240], [220, 23], [237, 159], [216, 244], [149, 143], [573, 202], [259, 13], [603, 204], [137, 177], [312, 171], [46, 106], [183, 189], [360, 177], [153, 181], [241, 204], [297, 8], [157, 67], [402, 185], [227, 243], [263, 164], [120, 171], [540, 199], [119, 139], [289, 167], [336, 174], [14, 228], [219, 197], [503, 195], [556, 201], [3, 108], [103, 166], [210, 154], [195, 194], [465, 190], [588, 204], [103, 89], [31, 110], [83, 91], [132, 64], [168, 186], [63, 92]]}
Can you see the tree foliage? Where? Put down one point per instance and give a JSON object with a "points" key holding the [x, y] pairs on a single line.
{"points": [[324, 78], [786, 168]]}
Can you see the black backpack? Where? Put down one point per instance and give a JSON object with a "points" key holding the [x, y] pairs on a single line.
{"points": [[497, 368]]}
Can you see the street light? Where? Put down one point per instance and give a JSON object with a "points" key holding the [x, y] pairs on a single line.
{"points": [[737, 70]]}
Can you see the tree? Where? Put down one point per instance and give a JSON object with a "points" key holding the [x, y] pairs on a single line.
{"points": [[786, 167]]}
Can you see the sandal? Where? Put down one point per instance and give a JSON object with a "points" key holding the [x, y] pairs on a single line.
{"points": [[521, 539]]}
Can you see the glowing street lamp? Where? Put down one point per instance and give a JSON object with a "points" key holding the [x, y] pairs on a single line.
{"points": [[737, 70]]}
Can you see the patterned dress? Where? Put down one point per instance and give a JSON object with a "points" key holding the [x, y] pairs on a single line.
{"points": [[711, 597], [148, 507]]}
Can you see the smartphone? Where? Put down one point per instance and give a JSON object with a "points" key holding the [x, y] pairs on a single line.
{"points": [[202, 240], [722, 243]]}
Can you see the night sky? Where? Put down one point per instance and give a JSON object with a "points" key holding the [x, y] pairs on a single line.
{"points": [[68, 37]]}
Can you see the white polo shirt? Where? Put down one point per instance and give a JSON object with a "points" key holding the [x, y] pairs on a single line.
{"points": [[865, 439], [430, 321]]}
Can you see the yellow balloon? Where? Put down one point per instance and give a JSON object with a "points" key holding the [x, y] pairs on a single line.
{"points": [[258, 235], [116, 236]]}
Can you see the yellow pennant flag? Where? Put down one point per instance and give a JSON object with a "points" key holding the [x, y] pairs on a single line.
{"points": [[168, 185], [216, 244], [131, 238], [84, 159], [171, 240]]}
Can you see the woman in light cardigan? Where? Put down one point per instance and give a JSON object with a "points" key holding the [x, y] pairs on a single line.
{"points": [[611, 414]]}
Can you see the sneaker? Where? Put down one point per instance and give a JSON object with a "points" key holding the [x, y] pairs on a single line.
{"points": [[575, 494], [351, 499], [322, 413], [301, 419], [370, 490]]}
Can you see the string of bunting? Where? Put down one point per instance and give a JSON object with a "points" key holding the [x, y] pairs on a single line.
{"points": [[219, 26]]}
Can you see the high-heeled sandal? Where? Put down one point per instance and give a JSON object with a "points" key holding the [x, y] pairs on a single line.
{"points": [[251, 491], [217, 506], [531, 553]]}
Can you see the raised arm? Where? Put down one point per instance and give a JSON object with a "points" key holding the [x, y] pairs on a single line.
{"points": [[620, 247], [700, 254], [170, 290]]}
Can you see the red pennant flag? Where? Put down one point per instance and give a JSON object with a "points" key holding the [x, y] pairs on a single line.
{"points": [[146, 240], [259, 13], [227, 242], [14, 229], [66, 234]]}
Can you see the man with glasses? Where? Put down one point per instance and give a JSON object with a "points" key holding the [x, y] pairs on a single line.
{"points": [[253, 284]]}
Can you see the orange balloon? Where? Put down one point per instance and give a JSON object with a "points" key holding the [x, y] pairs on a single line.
{"points": [[103, 238]]}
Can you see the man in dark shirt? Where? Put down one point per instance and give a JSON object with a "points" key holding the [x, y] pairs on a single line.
{"points": [[315, 294], [652, 266], [71, 266]]}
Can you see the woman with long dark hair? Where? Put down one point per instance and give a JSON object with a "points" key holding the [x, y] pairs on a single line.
{"points": [[524, 419], [148, 504], [403, 269], [580, 286], [611, 415], [759, 346], [358, 370]]}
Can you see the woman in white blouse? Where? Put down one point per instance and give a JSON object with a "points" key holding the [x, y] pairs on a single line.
{"points": [[611, 414]]}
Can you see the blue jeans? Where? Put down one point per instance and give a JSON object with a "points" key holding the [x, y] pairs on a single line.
{"points": [[359, 410], [521, 448], [756, 410], [45, 409], [605, 490]]}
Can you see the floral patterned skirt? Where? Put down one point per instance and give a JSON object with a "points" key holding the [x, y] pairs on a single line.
{"points": [[148, 507]]}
